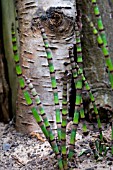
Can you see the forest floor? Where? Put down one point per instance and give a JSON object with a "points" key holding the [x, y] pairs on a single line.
{"points": [[33, 152]]}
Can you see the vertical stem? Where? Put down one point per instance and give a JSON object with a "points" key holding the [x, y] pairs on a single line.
{"points": [[80, 63], [80, 72], [100, 23], [107, 59], [101, 29], [64, 122], [104, 39], [78, 86], [30, 103], [76, 69], [104, 50], [53, 80], [23, 85]]}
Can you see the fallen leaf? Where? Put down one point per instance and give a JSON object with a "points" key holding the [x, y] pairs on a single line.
{"points": [[37, 135]]}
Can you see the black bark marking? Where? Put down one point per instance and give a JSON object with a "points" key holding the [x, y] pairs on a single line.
{"points": [[55, 20]]}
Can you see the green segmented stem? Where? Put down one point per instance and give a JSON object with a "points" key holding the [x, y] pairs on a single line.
{"points": [[39, 120], [73, 135], [64, 122], [92, 99], [80, 63], [104, 50], [107, 58], [101, 29], [78, 102], [82, 115], [38, 102], [53, 80], [23, 85], [36, 115], [104, 44], [79, 48], [44, 117], [76, 69], [78, 86], [100, 23], [79, 59]]}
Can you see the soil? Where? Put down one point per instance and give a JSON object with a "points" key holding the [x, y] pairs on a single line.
{"points": [[33, 152]]}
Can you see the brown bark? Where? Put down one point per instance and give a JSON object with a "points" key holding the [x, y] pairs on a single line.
{"points": [[5, 115], [94, 61], [4, 91], [57, 17], [7, 16], [59, 28]]}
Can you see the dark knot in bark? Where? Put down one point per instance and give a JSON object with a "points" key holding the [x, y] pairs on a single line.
{"points": [[55, 20], [55, 16]]}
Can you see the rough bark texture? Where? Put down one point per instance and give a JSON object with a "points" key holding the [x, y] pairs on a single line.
{"points": [[34, 62], [94, 61], [61, 36], [60, 33]]}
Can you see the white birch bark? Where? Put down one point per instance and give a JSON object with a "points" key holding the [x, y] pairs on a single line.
{"points": [[33, 56]]}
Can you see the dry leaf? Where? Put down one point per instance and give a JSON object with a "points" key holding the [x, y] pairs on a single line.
{"points": [[37, 135]]}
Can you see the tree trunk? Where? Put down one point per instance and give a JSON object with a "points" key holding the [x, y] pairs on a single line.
{"points": [[94, 61], [7, 75], [60, 32], [33, 56], [4, 90]]}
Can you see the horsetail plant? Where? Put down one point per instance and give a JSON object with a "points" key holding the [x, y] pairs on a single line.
{"points": [[51, 140], [101, 29], [104, 50], [76, 69], [78, 86], [39, 104], [107, 59], [94, 106], [100, 23], [23, 85], [104, 39], [53, 80], [80, 63], [64, 121], [79, 79], [80, 72], [44, 127]]}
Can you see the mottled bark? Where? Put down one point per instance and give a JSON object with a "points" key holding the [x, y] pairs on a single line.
{"points": [[33, 56], [58, 23], [94, 61], [57, 17]]}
